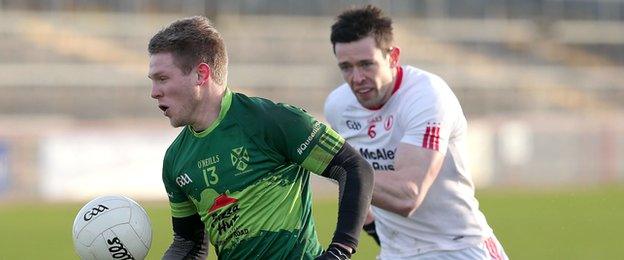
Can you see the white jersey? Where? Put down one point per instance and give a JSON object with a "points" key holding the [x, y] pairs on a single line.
{"points": [[424, 112]]}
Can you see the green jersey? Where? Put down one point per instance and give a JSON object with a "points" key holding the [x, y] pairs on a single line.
{"points": [[247, 176]]}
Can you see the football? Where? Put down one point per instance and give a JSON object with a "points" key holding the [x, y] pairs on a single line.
{"points": [[112, 227]]}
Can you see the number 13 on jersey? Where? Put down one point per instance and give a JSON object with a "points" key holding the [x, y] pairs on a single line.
{"points": [[210, 175]]}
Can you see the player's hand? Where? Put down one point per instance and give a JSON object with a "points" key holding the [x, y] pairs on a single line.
{"points": [[370, 230], [335, 252]]}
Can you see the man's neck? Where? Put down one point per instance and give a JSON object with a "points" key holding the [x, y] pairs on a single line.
{"points": [[209, 109]]}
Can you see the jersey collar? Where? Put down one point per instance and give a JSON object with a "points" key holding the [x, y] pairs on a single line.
{"points": [[226, 101], [399, 79]]}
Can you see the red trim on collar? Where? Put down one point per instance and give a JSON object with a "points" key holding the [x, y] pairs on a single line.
{"points": [[397, 85], [399, 78]]}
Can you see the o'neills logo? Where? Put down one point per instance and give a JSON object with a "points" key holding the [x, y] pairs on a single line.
{"points": [[303, 146]]}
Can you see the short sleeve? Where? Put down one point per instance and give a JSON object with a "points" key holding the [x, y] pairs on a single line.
{"points": [[429, 119], [180, 204], [302, 139], [331, 112]]}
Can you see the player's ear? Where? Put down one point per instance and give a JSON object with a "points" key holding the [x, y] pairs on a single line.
{"points": [[203, 73], [394, 56]]}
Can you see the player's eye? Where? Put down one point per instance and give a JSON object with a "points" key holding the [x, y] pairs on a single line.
{"points": [[162, 79], [345, 68], [366, 65]]}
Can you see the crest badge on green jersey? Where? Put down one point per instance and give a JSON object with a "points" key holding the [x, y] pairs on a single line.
{"points": [[240, 158]]}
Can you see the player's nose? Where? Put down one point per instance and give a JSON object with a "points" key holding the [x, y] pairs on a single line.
{"points": [[358, 76], [156, 92]]}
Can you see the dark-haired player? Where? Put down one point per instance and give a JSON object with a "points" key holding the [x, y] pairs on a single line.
{"points": [[409, 126]]}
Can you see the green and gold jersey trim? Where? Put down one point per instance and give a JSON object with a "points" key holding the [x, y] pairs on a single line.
{"points": [[320, 156], [182, 209], [226, 101]]}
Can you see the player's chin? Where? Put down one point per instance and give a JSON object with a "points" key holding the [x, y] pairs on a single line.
{"points": [[368, 102], [175, 123]]}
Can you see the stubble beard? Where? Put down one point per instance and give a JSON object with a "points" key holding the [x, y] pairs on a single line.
{"points": [[177, 120], [369, 103], [185, 114], [175, 123]]}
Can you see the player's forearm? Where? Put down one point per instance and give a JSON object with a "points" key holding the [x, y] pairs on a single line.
{"points": [[355, 179], [404, 190], [395, 194], [189, 239], [182, 248]]}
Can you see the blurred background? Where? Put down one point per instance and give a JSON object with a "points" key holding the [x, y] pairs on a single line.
{"points": [[540, 81]]}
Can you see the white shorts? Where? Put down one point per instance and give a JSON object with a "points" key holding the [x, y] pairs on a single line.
{"points": [[490, 249]]}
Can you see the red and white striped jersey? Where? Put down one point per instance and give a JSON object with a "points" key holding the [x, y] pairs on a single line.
{"points": [[422, 111]]}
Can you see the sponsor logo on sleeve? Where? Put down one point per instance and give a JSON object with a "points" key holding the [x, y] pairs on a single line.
{"points": [[183, 180], [431, 139], [303, 146]]}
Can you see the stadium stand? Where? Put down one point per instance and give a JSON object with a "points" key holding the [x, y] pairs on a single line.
{"points": [[550, 67]]}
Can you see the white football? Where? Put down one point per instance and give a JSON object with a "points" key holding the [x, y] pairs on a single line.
{"points": [[112, 227]]}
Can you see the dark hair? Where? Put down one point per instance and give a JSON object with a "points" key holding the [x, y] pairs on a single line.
{"points": [[191, 41], [358, 23]]}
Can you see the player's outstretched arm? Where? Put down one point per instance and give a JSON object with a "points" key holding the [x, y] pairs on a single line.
{"points": [[404, 190], [189, 239], [355, 183]]}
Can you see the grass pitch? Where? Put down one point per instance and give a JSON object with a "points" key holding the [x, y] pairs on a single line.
{"points": [[571, 223]]}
